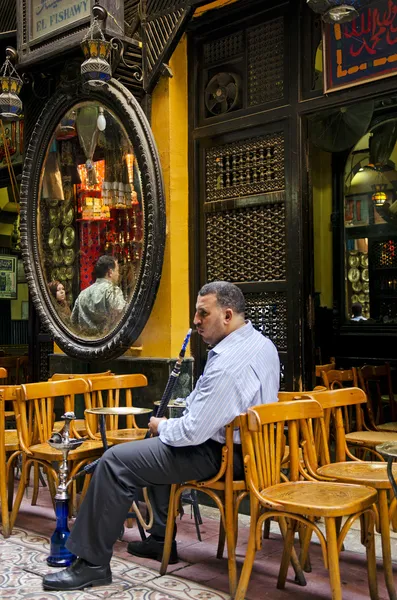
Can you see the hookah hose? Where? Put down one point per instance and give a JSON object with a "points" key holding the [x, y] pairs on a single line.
{"points": [[166, 397]]}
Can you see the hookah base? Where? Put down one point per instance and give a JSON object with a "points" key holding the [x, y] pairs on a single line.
{"points": [[61, 561]]}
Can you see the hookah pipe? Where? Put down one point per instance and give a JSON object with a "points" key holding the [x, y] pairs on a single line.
{"points": [[59, 554], [165, 399]]}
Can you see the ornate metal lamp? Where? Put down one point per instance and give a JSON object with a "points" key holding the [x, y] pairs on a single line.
{"points": [[338, 11], [60, 555], [379, 195], [11, 84], [96, 69]]}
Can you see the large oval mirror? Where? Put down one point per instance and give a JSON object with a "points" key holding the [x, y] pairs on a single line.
{"points": [[92, 220]]}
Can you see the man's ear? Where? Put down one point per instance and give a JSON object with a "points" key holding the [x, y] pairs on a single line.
{"points": [[228, 315]]}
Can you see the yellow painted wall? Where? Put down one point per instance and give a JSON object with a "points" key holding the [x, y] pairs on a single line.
{"points": [[169, 321], [322, 208]]}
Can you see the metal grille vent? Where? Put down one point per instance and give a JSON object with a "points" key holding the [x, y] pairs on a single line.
{"points": [[266, 62], [224, 48], [8, 15], [247, 167], [268, 313], [246, 244]]}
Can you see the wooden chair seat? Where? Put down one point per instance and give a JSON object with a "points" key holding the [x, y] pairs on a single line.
{"points": [[125, 435], [11, 440], [373, 474], [370, 438], [388, 427], [46, 452], [319, 499]]}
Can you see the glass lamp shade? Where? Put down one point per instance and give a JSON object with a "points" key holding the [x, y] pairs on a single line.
{"points": [[96, 69], [379, 196], [10, 103]]}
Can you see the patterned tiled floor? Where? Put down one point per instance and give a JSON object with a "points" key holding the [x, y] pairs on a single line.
{"points": [[198, 575]]}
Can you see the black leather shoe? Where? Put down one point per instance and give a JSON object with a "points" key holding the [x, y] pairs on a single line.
{"points": [[78, 576], [151, 548]]}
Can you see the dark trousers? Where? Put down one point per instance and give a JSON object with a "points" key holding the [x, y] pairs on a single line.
{"points": [[121, 470]]}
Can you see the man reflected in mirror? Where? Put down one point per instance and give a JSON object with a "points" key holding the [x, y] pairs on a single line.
{"points": [[99, 307]]}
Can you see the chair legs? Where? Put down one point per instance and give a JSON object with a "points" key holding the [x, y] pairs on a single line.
{"points": [[384, 529], [5, 517], [333, 559], [169, 531]]}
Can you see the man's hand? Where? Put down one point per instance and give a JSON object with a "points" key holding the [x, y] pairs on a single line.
{"points": [[154, 423]]}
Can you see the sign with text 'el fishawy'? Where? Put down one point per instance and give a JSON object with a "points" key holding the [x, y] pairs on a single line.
{"points": [[50, 15]]}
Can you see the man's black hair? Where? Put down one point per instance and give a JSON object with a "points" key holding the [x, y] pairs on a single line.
{"points": [[357, 309], [227, 295], [104, 263]]}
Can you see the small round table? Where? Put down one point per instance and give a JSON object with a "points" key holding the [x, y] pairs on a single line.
{"points": [[104, 411], [389, 451]]}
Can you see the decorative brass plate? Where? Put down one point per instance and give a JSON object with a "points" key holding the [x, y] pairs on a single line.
{"points": [[69, 272], [364, 260], [354, 260], [366, 287], [361, 298], [118, 410], [54, 239], [365, 275], [55, 217], [68, 256], [357, 286], [62, 273], [54, 274], [68, 215], [57, 256], [68, 237], [353, 275], [355, 298]]}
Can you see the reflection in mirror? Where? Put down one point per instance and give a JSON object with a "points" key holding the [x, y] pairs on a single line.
{"points": [[371, 227], [90, 220]]}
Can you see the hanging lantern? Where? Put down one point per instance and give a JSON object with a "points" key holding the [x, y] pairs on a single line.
{"points": [[96, 69], [10, 84], [379, 196], [338, 11]]}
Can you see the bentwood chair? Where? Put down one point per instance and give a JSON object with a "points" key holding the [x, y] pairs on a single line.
{"points": [[299, 501], [227, 493], [79, 424], [348, 469], [106, 391], [34, 410], [376, 381], [3, 375], [325, 368], [9, 451]]}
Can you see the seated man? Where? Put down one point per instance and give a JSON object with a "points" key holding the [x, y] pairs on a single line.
{"points": [[99, 307], [242, 370], [357, 312]]}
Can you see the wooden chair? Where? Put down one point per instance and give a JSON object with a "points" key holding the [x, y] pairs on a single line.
{"points": [[227, 493], [34, 410], [299, 501], [11, 364], [9, 451], [3, 375], [79, 424], [348, 469], [105, 391], [376, 381], [325, 368]]}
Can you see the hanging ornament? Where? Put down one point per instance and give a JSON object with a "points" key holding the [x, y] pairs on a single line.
{"points": [[96, 69], [379, 196], [11, 84]]}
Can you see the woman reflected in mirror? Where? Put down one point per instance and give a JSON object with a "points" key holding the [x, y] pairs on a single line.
{"points": [[57, 292]]}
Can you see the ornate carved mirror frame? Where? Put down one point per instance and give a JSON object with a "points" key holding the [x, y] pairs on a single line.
{"points": [[123, 105]]}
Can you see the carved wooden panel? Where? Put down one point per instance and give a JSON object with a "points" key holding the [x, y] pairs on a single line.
{"points": [[265, 48], [268, 313]]}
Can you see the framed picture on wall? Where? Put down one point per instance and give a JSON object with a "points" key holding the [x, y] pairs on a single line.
{"points": [[8, 277], [362, 50]]}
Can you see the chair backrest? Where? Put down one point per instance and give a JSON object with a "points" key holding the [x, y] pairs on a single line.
{"points": [[376, 381], [264, 439], [334, 403], [63, 376], [34, 407], [105, 391], [336, 378], [12, 365], [3, 374], [328, 367]]}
